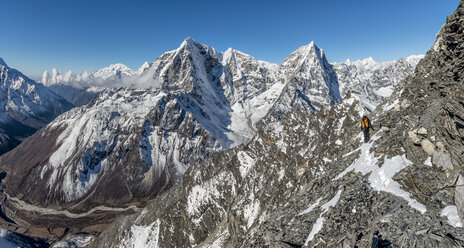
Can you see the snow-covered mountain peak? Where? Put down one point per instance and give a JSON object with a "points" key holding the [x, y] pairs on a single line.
{"points": [[197, 49], [142, 68], [306, 56], [414, 59], [311, 49], [114, 70]]}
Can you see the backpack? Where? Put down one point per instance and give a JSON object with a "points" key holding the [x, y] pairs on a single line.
{"points": [[364, 123]]}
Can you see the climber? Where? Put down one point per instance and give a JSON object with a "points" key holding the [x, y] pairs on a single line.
{"points": [[365, 125]]}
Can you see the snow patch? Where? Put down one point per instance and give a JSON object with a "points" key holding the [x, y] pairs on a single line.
{"points": [[246, 162], [385, 91], [281, 174], [320, 221], [310, 208], [388, 107], [142, 236], [381, 179], [451, 212], [74, 241], [428, 161], [206, 192], [250, 212]]}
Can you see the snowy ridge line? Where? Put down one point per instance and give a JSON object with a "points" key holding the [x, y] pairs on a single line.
{"points": [[48, 211]]}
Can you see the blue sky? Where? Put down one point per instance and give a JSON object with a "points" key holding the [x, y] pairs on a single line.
{"points": [[87, 35]]}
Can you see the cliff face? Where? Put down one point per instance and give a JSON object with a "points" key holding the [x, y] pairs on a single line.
{"points": [[307, 180]]}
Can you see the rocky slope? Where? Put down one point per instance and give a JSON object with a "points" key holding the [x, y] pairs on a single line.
{"points": [[309, 181], [25, 107]]}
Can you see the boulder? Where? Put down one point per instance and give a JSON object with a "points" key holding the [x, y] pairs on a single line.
{"points": [[422, 131], [413, 136], [428, 146]]}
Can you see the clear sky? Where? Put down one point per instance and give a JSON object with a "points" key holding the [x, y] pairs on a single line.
{"points": [[88, 35]]}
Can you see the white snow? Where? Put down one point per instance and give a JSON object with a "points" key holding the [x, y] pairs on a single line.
{"points": [[338, 142], [251, 211], [381, 179], [320, 221], [388, 107], [332, 202], [246, 162], [112, 76], [385, 91], [372, 80], [93, 128], [451, 212], [315, 229], [428, 161], [281, 174], [205, 193], [142, 236], [75, 241], [310, 208]]}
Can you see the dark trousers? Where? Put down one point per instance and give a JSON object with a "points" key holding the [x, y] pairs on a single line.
{"points": [[367, 136]]}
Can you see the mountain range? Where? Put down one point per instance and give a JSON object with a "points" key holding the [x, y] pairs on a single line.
{"points": [[125, 146], [307, 179]]}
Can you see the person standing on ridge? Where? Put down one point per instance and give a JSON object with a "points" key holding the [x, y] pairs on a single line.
{"points": [[365, 125]]}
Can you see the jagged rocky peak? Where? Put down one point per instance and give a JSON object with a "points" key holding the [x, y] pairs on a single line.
{"points": [[249, 77], [305, 57], [310, 82], [142, 68], [190, 66]]}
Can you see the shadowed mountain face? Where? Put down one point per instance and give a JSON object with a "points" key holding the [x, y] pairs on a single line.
{"points": [[308, 180], [25, 107]]}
